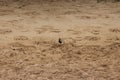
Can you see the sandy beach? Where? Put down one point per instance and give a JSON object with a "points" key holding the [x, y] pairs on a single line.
{"points": [[90, 32]]}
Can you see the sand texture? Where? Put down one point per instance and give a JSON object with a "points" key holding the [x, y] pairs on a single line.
{"points": [[29, 48]]}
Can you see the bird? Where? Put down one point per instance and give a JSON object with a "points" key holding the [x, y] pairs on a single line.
{"points": [[60, 41]]}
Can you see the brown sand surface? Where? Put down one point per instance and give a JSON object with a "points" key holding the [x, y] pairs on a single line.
{"points": [[29, 48]]}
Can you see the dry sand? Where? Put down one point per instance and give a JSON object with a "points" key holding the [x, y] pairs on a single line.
{"points": [[29, 48]]}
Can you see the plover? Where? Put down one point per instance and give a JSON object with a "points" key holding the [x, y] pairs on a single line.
{"points": [[60, 41]]}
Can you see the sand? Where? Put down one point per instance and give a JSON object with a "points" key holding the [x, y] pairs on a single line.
{"points": [[29, 48]]}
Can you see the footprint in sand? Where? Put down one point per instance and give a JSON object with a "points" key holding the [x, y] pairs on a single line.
{"points": [[6, 12], [95, 32], [115, 30], [74, 31], [21, 47], [41, 30], [31, 13], [79, 38], [112, 39], [92, 38], [21, 38], [44, 29], [88, 17], [55, 31], [70, 12], [5, 31]]}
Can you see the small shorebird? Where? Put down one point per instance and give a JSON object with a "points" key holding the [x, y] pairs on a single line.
{"points": [[60, 41]]}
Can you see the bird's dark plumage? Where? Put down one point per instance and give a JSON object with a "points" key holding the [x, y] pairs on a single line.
{"points": [[60, 40]]}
